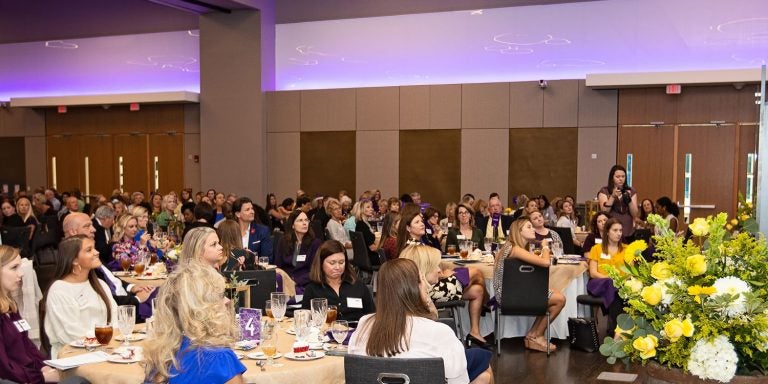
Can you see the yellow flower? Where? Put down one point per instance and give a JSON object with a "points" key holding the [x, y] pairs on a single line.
{"points": [[634, 285], [633, 250], [749, 205], [661, 271], [744, 217], [673, 330], [696, 264], [696, 291], [646, 346], [699, 227], [735, 222], [728, 227], [623, 333], [688, 328], [651, 295]]}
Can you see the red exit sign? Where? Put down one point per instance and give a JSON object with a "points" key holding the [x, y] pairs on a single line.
{"points": [[674, 89]]}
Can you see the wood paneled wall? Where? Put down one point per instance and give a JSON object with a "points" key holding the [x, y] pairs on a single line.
{"points": [[327, 162], [12, 164], [459, 133]]}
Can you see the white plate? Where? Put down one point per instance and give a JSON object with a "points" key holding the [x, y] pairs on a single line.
{"points": [[239, 355], [291, 331], [133, 337], [153, 277], [316, 355], [334, 347], [247, 345], [122, 273], [81, 344], [262, 356], [118, 359]]}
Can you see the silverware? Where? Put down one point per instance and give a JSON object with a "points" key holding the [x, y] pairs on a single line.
{"points": [[260, 364]]}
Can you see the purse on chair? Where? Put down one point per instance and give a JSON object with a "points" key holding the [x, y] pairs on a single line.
{"points": [[582, 333]]}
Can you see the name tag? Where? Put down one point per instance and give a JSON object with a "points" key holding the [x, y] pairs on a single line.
{"points": [[22, 325], [354, 302], [461, 237], [429, 231], [598, 241], [301, 258], [605, 256]]}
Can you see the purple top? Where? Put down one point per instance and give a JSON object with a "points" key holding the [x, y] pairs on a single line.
{"points": [[24, 361], [299, 271]]}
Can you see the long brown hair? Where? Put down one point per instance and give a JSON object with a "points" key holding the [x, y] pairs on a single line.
{"points": [[229, 238], [387, 225], [607, 228], [398, 298], [7, 255], [69, 249], [406, 218], [328, 248]]}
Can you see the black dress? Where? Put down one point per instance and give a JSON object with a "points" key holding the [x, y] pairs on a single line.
{"points": [[353, 301]]}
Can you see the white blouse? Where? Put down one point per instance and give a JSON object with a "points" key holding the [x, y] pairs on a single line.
{"points": [[427, 339], [72, 310]]}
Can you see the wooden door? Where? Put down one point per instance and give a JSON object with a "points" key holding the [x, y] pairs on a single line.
{"points": [[653, 155], [102, 170], [67, 172], [712, 164], [168, 148], [133, 149]]}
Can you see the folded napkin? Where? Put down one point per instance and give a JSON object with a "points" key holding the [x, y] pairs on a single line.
{"points": [[76, 361]]}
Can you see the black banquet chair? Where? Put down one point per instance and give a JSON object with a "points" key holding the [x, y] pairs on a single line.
{"points": [[367, 370]]}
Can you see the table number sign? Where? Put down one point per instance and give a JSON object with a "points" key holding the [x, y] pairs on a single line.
{"points": [[250, 323]]}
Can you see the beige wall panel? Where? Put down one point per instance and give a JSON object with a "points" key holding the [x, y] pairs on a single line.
{"points": [[191, 118], [283, 170], [445, 106], [34, 157], [485, 163], [21, 122], [283, 111], [561, 103], [485, 105], [328, 110], [526, 101], [597, 107], [377, 162], [378, 109], [192, 167], [592, 173], [414, 107]]}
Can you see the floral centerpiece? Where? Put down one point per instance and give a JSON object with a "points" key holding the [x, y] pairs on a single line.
{"points": [[700, 307]]}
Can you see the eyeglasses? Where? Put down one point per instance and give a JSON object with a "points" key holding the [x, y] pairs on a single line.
{"points": [[463, 213]]}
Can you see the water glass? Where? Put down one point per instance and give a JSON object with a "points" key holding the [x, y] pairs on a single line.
{"points": [[557, 250], [278, 304], [126, 320], [301, 323], [339, 330], [488, 244], [263, 262], [319, 313]]}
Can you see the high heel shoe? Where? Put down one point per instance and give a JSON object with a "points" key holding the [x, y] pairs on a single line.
{"points": [[471, 341], [538, 344]]}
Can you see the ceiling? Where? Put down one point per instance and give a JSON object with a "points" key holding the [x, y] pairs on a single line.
{"points": [[124, 46]]}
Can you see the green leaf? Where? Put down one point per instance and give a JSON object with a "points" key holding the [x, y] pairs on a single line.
{"points": [[620, 354], [611, 360], [605, 349], [625, 322], [641, 332]]}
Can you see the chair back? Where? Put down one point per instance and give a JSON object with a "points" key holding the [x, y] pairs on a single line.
{"points": [[276, 236], [262, 284], [525, 289], [360, 259], [567, 237], [367, 370], [382, 255], [317, 228]]}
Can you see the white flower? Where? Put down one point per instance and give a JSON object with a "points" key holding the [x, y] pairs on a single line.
{"points": [[733, 286], [665, 286], [713, 359]]}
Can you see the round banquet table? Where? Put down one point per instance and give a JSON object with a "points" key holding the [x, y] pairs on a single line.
{"points": [[329, 369]]}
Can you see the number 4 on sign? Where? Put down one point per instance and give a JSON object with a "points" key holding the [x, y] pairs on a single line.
{"points": [[250, 323]]}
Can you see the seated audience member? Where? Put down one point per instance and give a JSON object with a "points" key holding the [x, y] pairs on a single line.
{"points": [[433, 233], [595, 235], [388, 241], [218, 207], [20, 360], [156, 204], [450, 216], [403, 326], [254, 235], [24, 209], [445, 286], [520, 203], [201, 245], [669, 211], [468, 199], [609, 252], [495, 224], [394, 204], [203, 213], [521, 233], [543, 233], [332, 278], [410, 230], [481, 213], [464, 228], [188, 213], [10, 218], [363, 226], [335, 226], [567, 219], [276, 218], [194, 329], [350, 224], [234, 257], [286, 207], [77, 298], [646, 208], [102, 223], [547, 210], [169, 211], [296, 249], [125, 243]]}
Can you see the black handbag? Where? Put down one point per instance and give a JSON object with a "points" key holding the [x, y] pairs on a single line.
{"points": [[582, 333]]}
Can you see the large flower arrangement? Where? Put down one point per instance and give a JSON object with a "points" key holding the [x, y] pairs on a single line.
{"points": [[701, 306]]}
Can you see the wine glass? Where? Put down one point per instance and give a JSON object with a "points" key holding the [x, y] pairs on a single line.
{"points": [[278, 303], [301, 323], [269, 340], [488, 244], [126, 320], [339, 330], [263, 262], [319, 312]]}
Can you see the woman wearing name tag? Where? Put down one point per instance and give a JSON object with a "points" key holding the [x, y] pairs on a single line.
{"points": [[465, 228], [20, 360], [609, 252], [595, 235], [296, 249], [333, 279]]}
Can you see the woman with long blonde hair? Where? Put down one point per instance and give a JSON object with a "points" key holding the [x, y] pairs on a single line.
{"points": [[193, 330], [201, 244]]}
